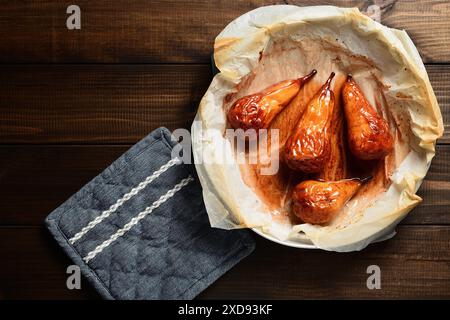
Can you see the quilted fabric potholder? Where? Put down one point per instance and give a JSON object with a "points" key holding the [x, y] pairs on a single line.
{"points": [[139, 230]]}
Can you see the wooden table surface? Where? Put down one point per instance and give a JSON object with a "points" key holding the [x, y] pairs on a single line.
{"points": [[72, 101]]}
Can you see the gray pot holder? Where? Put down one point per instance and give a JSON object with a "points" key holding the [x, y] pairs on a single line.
{"points": [[139, 230]]}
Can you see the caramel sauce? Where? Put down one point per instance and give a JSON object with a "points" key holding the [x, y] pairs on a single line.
{"points": [[336, 166], [275, 191]]}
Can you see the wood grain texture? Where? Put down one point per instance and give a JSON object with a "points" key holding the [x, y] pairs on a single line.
{"points": [[71, 102], [414, 264], [440, 80], [117, 103], [97, 104], [34, 180], [34, 267], [175, 31]]}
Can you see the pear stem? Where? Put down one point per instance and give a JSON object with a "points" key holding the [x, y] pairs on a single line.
{"points": [[366, 179], [308, 76], [349, 77], [328, 82]]}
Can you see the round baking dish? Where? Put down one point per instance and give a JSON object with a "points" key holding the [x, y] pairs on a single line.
{"points": [[275, 43]]}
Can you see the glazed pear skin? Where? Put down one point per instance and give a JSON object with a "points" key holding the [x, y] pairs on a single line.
{"points": [[308, 148], [318, 202], [368, 133], [257, 111]]}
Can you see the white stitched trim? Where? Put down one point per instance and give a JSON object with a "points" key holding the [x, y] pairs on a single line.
{"points": [[169, 194], [105, 214]]}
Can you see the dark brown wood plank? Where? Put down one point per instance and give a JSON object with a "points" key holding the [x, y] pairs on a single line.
{"points": [[435, 192], [117, 103], [34, 180], [34, 267], [96, 104], [414, 264], [440, 80], [176, 31]]}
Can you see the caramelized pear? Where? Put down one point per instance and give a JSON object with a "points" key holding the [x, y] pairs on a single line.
{"points": [[368, 132], [318, 202], [257, 111], [308, 148], [337, 166]]}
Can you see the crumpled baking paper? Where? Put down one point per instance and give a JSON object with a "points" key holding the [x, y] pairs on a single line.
{"points": [[325, 38]]}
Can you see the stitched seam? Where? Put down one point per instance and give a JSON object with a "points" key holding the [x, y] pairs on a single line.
{"points": [[166, 141], [57, 222], [135, 220], [121, 201], [120, 169], [92, 272], [228, 257]]}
